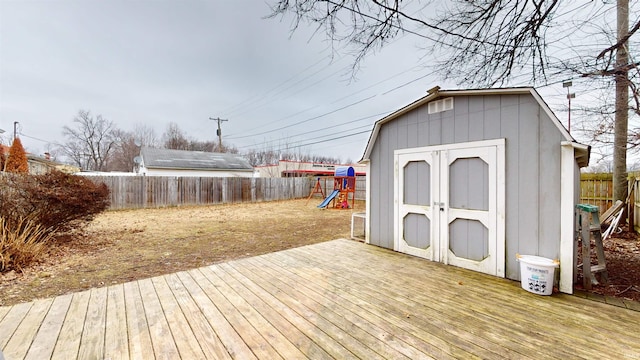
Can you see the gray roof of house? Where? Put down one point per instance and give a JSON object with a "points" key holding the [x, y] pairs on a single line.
{"points": [[192, 160]]}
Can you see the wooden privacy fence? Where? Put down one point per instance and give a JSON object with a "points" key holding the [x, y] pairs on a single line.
{"points": [[597, 189], [635, 203], [131, 192]]}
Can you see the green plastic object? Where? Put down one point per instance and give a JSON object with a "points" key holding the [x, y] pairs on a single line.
{"points": [[588, 208]]}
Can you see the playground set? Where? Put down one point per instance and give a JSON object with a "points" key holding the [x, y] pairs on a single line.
{"points": [[343, 195]]}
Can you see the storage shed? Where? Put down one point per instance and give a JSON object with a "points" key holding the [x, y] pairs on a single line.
{"points": [[473, 177]]}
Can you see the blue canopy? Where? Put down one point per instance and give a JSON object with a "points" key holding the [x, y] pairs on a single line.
{"points": [[345, 171]]}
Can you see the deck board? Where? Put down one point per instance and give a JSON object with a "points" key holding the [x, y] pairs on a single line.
{"points": [[185, 340], [115, 339], [11, 321], [22, 338], [272, 336], [591, 327], [355, 308], [43, 343], [390, 305], [164, 346], [345, 334], [382, 342], [139, 339], [209, 342], [424, 307], [199, 288], [335, 349], [250, 335], [3, 311], [337, 299], [397, 323], [70, 334], [479, 310], [293, 335], [92, 340]]}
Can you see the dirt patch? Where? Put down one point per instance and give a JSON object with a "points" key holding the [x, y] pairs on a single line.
{"points": [[622, 255], [121, 246]]}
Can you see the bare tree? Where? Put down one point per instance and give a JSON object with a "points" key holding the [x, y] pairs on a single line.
{"points": [[174, 138], [228, 148], [498, 42], [90, 141], [272, 155], [197, 145], [145, 136], [125, 150], [128, 146]]}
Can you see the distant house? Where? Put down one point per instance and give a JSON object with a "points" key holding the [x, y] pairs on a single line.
{"points": [[165, 162], [42, 164], [39, 165], [289, 168]]}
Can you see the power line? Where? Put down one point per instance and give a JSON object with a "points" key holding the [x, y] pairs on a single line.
{"points": [[233, 108], [307, 120], [322, 141], [321, 129], [37, 139], [342, 98], [265, 144], [234, 137], [263, 97]]}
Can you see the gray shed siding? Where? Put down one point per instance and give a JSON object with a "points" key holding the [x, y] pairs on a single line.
{"points": [[532, 166]]}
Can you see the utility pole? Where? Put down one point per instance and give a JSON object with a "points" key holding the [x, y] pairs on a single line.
{"points": [[219, 131]]}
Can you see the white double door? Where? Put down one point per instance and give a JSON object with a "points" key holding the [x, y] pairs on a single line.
{"points": [[450, 204]]}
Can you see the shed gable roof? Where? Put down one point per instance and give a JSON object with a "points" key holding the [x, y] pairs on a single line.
{"points": [[582, 151], [192, 160]]}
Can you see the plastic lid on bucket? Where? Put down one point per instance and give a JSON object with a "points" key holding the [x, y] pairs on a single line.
{"points": [[537, 260]]}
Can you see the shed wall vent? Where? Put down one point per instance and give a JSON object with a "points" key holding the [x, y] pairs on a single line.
{"points": [[440, 105]]}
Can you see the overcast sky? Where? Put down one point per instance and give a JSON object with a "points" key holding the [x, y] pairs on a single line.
{"points": [[155, 62]]}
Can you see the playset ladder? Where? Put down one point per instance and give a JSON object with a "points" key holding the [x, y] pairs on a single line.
{"points": [[589, 227]]}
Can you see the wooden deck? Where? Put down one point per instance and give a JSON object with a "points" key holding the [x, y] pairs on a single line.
{"points": [[340, 299]]}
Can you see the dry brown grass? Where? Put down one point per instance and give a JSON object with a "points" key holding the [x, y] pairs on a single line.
{"points": [[121, 246], [21, 243]]}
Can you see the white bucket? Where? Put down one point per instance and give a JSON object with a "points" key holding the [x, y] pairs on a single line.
{"points": [[537, 273]]}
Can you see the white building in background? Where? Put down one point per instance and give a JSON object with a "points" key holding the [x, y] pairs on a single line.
{"points": [[165, 162], [287, 168]]}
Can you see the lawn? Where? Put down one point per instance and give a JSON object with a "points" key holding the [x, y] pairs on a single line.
{"points": [[121, 246]]}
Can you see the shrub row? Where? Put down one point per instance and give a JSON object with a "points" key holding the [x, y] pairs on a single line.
{"points": [[35, 208]]}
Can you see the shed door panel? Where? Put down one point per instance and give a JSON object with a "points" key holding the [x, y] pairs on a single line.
{"points": [[415, 172], [448, 205], [468, 187]]}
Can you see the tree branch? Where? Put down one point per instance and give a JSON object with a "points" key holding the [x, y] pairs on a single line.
{"points": [[620, 42]]}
